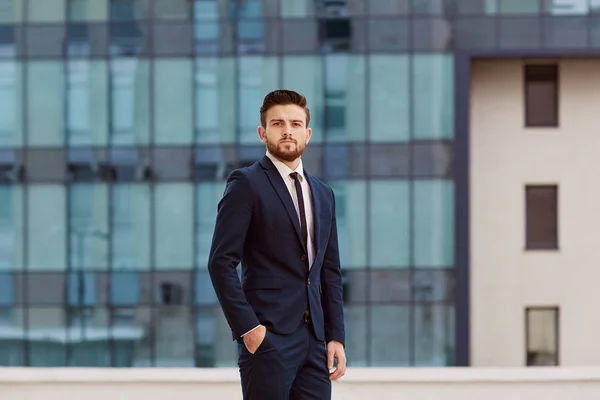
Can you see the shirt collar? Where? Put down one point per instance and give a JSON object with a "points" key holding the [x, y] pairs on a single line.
{"points": [[284, 170]]}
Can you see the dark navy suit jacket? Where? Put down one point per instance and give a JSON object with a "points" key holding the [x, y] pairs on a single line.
{"points": [[258, 226]]}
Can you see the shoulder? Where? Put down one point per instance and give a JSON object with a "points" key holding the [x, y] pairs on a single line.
{"points": [[322, 186], [244, 174]]}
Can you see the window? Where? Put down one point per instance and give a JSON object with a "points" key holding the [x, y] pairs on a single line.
{"points": [[541, 213], [541, 95], [541, 330]]}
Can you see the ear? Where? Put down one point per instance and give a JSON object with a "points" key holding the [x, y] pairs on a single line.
{"points": [[262, 134], [308, 135]]}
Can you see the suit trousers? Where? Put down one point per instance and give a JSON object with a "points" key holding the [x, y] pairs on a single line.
{"points": [[285, 367]]}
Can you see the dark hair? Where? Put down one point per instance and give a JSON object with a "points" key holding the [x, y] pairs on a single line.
{"points": [[282, 97]]}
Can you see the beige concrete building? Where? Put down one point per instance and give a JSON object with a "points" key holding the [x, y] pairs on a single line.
{"points": [[534, 196]]}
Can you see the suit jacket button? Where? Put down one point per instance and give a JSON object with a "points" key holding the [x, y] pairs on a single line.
{"points": [[303, 257], [308, 281]]}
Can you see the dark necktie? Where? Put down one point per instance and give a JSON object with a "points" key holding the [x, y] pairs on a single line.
{"points": [[296, 178]]}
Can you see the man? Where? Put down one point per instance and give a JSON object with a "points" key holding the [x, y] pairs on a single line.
{"points": [[280, 223]]}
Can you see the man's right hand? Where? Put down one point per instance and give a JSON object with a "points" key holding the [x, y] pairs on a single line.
{"points": [[254, 339]]}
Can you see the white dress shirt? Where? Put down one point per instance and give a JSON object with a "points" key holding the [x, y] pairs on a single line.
{"points": [[285, 172]]}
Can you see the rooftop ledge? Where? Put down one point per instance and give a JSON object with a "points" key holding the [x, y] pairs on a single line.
{"points": [[354, 375]]}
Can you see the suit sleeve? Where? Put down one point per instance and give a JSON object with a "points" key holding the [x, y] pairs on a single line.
{"points": [[331, 282], [234, 213]]}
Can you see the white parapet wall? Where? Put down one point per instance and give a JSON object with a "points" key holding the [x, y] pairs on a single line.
{"points": [[359, 383]]}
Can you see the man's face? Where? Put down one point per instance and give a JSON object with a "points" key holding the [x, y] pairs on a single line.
{"points": [[286, 134]]}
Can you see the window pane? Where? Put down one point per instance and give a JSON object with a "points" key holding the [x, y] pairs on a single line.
{"points": [[12, 352], [45, 109], [257, 77], [389, 96], [87, 103], [46, 228], [304, 74], [541, 95], [129, 332], [345, 97], [88, 225], [351, 198], [130, 111], [173, 101], [519, 6], [124, 289], [433, 96], [542, 336], [389, 224], [172, 9], [174, 344], [297, 8], [88, 10], [11, 11], [82, 288], [541, 217], [434, 335], [355, 319], [174, 227], [44, 350], [215, 94], [433, 226], [11, 100], [11, 228], [89, 337], [130, 226], [46, 10], [208, 196], [390, 336]]}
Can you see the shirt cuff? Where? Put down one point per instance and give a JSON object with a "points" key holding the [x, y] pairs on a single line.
{"points": [[250, 331]]}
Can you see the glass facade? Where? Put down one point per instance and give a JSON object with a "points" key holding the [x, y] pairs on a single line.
{"points": [[121, 120]]}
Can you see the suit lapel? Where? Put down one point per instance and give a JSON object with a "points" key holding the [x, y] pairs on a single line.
{"points": [[316, 208], [283, 193]]}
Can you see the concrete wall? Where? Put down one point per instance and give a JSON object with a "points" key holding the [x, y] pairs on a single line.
{"points": [[505, 156], [368, 384]]}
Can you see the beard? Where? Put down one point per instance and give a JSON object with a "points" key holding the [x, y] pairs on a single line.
{"points": [[286, 151]]}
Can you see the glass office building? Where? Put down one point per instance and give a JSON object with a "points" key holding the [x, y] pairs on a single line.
{"points": [[121, 119]]}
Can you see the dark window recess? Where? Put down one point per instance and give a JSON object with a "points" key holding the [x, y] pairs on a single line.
{"points": [[11, 173], [171, 294], [541, 214], [542, 338], [541, 95]]}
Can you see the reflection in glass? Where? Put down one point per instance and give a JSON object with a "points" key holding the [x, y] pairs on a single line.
{"points": [[88, 337], [214, 100], [390, 335], [257, 76], [173, 227], [130, 106], [45, 10], [173, 97], [11, 227], [45, 113], [304, 74], [433, 335], [88, 226], [130, 226], [351, 199], [389, 96], [46, 227], [433, 229], [389, 205], [12, 346], [355, 317], [47, 336], [208, 195], [173, 336], [87, 110], [130, 336], [11, 92], [87, 10], [344, 98], [433, 96]]}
